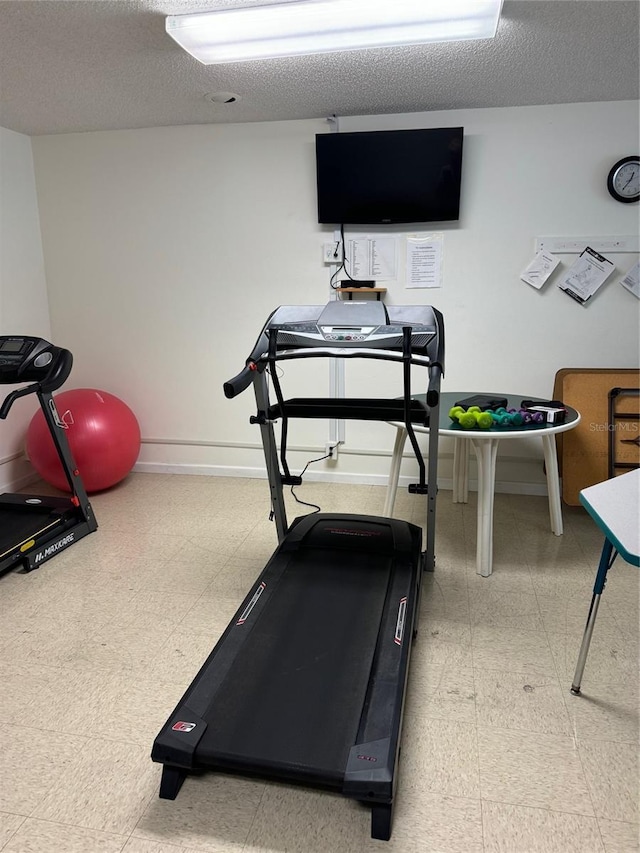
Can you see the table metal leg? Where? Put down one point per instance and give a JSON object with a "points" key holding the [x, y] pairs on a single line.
{"points": [[486, 450], [460, 471], [394, 473], [606, 561], [553, 483]]}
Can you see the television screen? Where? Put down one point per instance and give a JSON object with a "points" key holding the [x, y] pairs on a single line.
{"points": [[387, 176]]}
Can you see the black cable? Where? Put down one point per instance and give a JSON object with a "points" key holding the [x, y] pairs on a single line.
{"points": [[316, 508], [279, 371], [344, 254], [343, 263], [332, 279]]}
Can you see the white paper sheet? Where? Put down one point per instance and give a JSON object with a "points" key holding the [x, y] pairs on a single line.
{"points": [[540, 269], [632, 280], [586, 275], [424, 261], [372, 258]]}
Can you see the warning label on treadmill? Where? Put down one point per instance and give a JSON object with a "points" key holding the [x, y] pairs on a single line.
{"points": [[349, 531], [183, 727], [402, 614]]}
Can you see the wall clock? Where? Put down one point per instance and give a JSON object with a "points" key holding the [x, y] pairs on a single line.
{"points": [[624, 179]]}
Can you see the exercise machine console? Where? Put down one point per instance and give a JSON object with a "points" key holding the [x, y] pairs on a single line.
{"points": [[307, 683], [34, 528]]}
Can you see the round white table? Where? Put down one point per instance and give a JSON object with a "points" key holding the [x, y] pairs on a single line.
{"points": [[485, 444]]}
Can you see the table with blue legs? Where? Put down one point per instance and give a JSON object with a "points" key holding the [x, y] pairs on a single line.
{"points": [[614, 505], [485, 444]]}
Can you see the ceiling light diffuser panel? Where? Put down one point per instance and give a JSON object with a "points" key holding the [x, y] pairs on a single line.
{"points": [[326, 26]]}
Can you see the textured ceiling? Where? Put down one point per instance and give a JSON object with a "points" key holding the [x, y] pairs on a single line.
{"points": [[81, 65]]}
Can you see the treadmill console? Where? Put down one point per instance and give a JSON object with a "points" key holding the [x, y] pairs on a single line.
{"points": [[29, 359], [347, 325], [378, 337], [346, 330]]}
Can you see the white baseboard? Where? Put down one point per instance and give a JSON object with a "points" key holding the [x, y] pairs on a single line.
{"points": [[503, 487], [18, 484], [16, 473]]}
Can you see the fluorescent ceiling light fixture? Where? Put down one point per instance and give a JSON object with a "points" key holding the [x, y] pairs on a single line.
{"points": [[326, 26]]}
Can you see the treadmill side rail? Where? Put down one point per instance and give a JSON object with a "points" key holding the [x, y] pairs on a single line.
{"points": [[35, 557]]}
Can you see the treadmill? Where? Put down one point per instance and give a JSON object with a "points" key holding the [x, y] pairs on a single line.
{"points": [[34, 528], [307, 683]]}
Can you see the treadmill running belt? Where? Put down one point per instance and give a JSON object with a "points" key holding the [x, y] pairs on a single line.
{"points": [[293, 700], [19, 527]]}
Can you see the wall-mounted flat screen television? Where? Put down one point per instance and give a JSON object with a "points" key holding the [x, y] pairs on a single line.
{"points": [[386, 176]]}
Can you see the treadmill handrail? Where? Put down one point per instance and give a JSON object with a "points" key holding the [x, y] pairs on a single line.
{"points": [[237, 384], [55, 377], [10, 399], [258, 361], [344, 352]]}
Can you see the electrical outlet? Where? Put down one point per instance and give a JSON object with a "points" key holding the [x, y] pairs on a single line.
{"points": [[331, 253], [331, 450]]}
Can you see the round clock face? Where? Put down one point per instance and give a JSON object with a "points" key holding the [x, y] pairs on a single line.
{"points": [[624, 179]]}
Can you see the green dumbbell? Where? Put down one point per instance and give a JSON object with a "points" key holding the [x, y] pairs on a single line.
{"points": [[473, 418], [467, 420]]}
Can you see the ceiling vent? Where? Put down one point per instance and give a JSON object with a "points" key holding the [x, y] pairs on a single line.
{"points": [[222, 97]]}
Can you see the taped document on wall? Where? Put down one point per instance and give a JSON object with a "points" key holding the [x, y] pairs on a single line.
{"points": [[372, 258], [586, 275], [540, 269], [424, 261], [632, 280]]}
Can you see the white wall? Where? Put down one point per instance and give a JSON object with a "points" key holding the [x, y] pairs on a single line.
{"points": [[167, 248], [24, 308]]}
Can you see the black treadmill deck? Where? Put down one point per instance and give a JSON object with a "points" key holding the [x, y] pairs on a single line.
{"points": [[34, 528], [308, 679]]}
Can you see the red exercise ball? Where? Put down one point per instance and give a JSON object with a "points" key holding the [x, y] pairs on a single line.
{"points": [[103, 434]]}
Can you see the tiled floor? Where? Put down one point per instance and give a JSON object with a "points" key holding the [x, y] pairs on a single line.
{"points": [[98, 645]]}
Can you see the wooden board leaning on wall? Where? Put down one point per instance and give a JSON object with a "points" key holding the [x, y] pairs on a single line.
{"points": [[584, 452]]}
